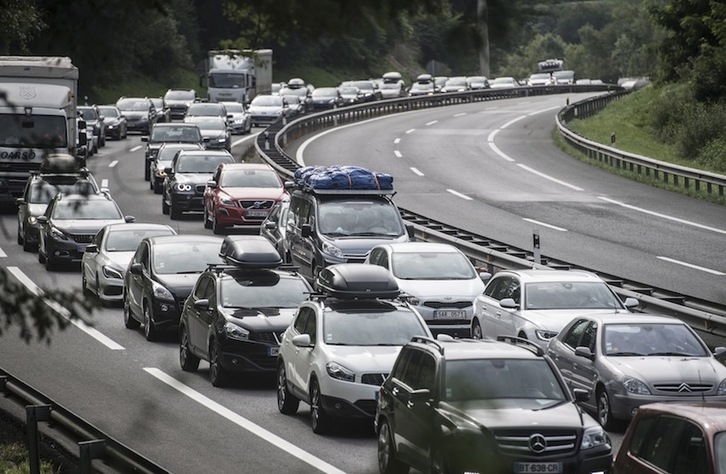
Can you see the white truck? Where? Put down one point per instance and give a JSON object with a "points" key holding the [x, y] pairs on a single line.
{"points": [[38, 116], [237, 76]]}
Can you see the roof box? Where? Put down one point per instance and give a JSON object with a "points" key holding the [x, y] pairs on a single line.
{"points": [[249, 251], [59, 163], [357, 281]]}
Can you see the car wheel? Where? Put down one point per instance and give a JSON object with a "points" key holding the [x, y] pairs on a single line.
{"points": [[152, 184], [388, 463], [216, 228], [126, 133], [84, 283], [174, 213], [20, 236], [604, 411], [476, 332], [147, 173], [41, 255], [129, 320], [287, 403], [207, 220], [49, 263], [188, 361], [150, 330], [217, 375], [319, 418], [164, 207], [156, 187]]}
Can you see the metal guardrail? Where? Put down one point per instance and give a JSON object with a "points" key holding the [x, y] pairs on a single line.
{"points": [[92, 442], [676, 175], [704, 316]]}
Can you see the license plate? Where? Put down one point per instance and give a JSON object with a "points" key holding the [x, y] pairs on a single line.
{"points": [[273, 351], [449, 314], [538, 467], [257, 213]]}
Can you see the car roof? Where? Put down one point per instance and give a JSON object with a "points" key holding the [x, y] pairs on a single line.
{"points": [[472, 349], [247, 166], [175, 125], [205, 152], [632, 318], [185, 238], [415, 247], [137, 226], [548, 275], [710, 415]]}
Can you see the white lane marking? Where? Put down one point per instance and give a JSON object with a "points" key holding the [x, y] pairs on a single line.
{"points": [[113, 164], [136, 148], [458, 194], [460, 114], [3, 254], [556, 107], [512, 121], [496, 149], [251, 136], [492, 108], [690, 265], [545, 176], [396, 141], [664, 216], [415, 170], [104, 183], [544, 225], [431, 123], [36, 290], [410, 130], [397, 153], [244, 422]]}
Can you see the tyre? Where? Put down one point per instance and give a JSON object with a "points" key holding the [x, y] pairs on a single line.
{"points": [[41, 256], [216, 228], [439, 462], [84, 284], [476, 332], [151, 183], [50, 264], [287, 403], [150, 331], [604, 410], [217, 375], [320, 420], [147, 173], [388, 463], [188, 361], [20, 236], [129, 320], [207, 220], [164, 207], [156, 187]]}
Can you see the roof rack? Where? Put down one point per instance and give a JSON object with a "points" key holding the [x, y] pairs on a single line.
{"points": [[520, 341], [429, 341]]}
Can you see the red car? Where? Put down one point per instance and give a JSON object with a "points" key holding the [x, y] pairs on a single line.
{"points": [[241, 194]]}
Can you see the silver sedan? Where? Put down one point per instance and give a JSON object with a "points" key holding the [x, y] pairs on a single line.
{"points": [[629, 360]]}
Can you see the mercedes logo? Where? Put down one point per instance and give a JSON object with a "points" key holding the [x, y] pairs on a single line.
{"points": [[537, 443]]}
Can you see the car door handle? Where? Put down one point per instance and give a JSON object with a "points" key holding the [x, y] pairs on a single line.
{"points": [[394, 391], [409, 404], [499, 314]]}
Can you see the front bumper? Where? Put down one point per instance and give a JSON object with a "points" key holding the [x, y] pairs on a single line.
{"points": [[249, 356], [228, 216], [64, 251], [110, 289], [348, 399], [166, 313], [187, 202]]}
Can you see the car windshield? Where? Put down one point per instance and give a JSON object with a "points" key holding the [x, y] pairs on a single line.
{"points": [[292, 99], [431, 266], [77, 209], [190, 133], [427, 86], [158, 103], [128, 240], [41, 192], [325, 92], [133, 105], [491, 379], [179, 95], [356, 327], [262, 290], [171, 258], [201, 163], [535, 77], [364, 85], [634, 339], [250, 179], [233, 107], [570, 295], [267, 101], [359, 217], [387, 85], [109, 111], [205, 110], [456, 82], [210, 123], [349, 90]]}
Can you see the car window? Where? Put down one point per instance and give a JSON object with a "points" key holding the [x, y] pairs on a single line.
{"points": [[410, 373], [128, 240], [575, 333], [250, 179], [86, 210], [98, 238], [676, 446], [402, 362], [589, 336], [640, 434], [202, 288], [379, 257]]}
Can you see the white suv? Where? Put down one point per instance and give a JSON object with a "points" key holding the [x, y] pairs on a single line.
{"points": [[342, 344]]}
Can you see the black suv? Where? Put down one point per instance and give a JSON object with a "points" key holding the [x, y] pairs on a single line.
{"points": [[168, 133], [140, 113], [484, 406], [186, 179], [236, 314]]}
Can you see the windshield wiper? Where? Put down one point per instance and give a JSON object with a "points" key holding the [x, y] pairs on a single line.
{"points": [[676, 354], [187, 272], [625, 354]]}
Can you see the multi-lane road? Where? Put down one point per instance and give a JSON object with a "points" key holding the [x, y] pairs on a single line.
{"points": [[488, 167]]}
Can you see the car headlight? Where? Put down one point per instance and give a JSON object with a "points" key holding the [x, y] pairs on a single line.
{"points": [[339, 372], [32, 220], [544, 334], [160, 292], [144, 118], [721, 390], [636, 386], [412, 300], [593, 437], [109, 272], [183, 187], [226, 200], [57, 234], [222, 139], [233, 331], [331, 249]]}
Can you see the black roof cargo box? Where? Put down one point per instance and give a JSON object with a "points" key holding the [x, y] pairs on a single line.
{"points": [[249, 251], [357, 281]]}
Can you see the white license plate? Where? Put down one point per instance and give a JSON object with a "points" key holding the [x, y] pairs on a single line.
{"points": [[273, 351], [538, 467], [449, 314], [257, 213]]}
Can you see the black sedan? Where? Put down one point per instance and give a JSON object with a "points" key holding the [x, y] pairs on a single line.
{"points": [[325, 98], [161, 275], [115, 121]]}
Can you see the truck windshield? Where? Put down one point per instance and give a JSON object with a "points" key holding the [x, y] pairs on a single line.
{"points": [[225, 79], [38, 131]]}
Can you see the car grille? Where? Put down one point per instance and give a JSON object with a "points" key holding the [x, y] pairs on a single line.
{"points": [[448, 304], [683, 388], [257, 204], [368, 406], [355, 259], [554, 442], [267, 337], [373, 379], [82, 238]]}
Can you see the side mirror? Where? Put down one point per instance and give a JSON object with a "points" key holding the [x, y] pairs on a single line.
{"points": [[581, 395], [144, 138], [129, 219], [485, 276], [136, 269], [508, 303], [410, 231], [167, 170], [720, 353], [585, 352], [91, 248], [631, 303], [42, 219], [420, 395], [302, 340], [202, 304], [19, 201], [270, 225], [306, 230]]}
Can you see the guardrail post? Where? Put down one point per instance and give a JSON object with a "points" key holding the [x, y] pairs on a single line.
{"points": [[267, 140], [34, 414], [89, 451]]}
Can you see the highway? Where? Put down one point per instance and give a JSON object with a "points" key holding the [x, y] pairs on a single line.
{"points": [[487, 167]]}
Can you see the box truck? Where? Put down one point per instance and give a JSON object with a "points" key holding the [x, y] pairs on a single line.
{"points": [[232, 75]]}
